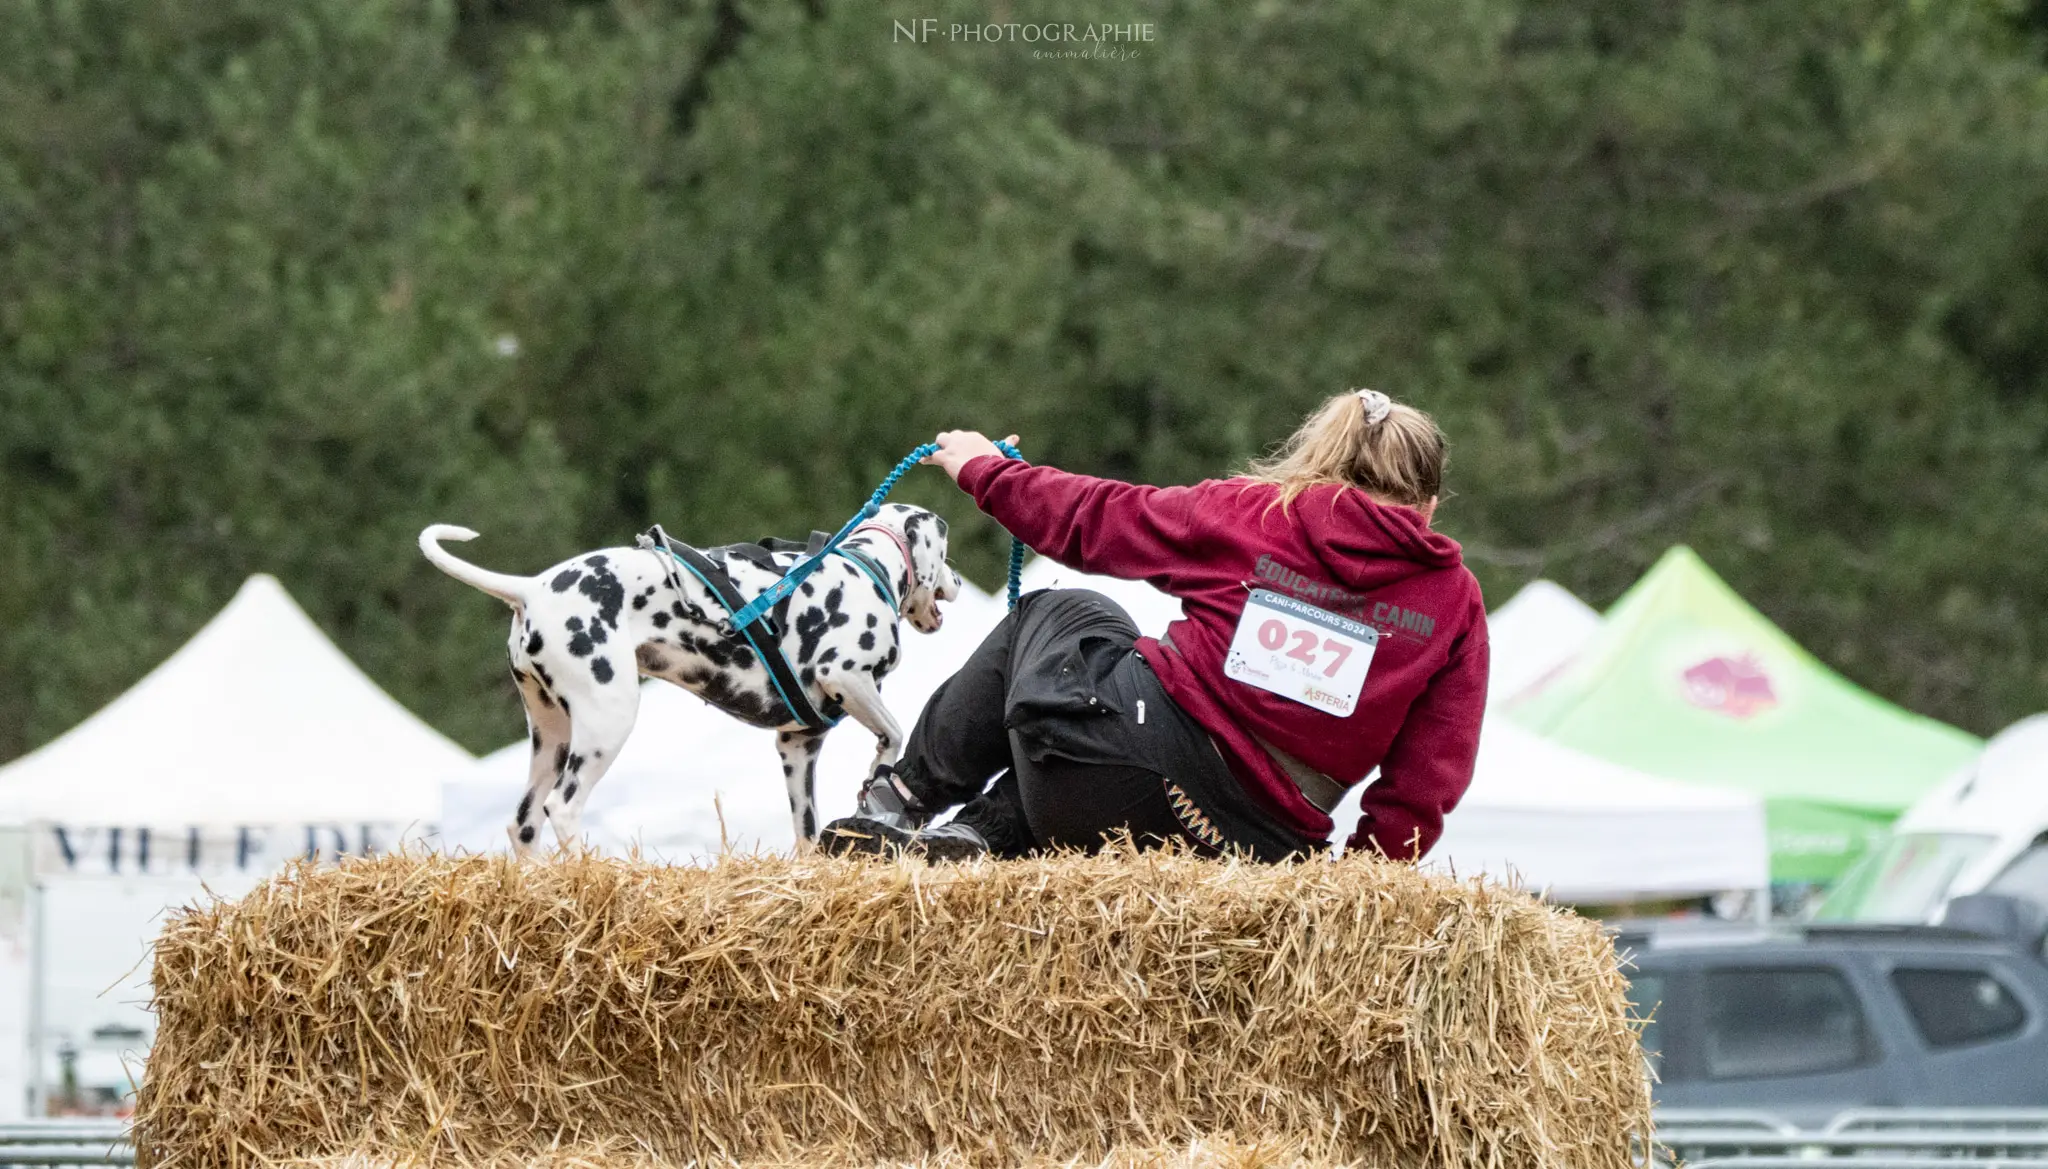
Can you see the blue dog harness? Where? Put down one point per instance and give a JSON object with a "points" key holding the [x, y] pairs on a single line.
{"points": [[764, 634]]}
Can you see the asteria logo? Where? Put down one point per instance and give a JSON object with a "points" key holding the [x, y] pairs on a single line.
{"points": [[1736, 687]]}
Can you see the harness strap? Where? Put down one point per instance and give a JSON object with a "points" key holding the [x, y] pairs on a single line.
{"points": [[780, 674], [876, 573]]}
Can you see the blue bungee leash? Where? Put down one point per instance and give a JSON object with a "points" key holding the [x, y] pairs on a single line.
{"points": [[759, 606]]}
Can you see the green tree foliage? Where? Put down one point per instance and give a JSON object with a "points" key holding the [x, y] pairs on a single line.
{"points": [[280, 284]]}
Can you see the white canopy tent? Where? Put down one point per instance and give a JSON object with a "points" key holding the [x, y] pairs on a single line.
{"points": [[255, 742], [1538, 630], [258, 719], [1581, 829]]}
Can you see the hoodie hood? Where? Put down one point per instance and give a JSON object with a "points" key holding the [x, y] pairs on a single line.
{"points": [[1364, 544]]}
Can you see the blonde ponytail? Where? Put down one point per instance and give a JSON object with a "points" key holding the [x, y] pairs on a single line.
{"points": [[1362, 439]]}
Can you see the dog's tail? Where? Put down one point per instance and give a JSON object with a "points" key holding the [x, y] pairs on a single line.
{"points": [[509, 589]]}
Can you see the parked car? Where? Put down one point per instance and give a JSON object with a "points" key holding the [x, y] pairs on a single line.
{"points": [[1805, 1021]]}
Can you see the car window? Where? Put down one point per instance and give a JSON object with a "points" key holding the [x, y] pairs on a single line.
{"points": [[2026, 876], [1954, 1007], [1645, 995], [1782, 1021]]}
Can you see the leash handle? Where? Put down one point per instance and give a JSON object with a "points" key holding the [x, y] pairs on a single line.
{"points": [[772, 596]]}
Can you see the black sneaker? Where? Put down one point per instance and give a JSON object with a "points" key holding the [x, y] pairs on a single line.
{"points": [[887, 824], [882, 824]]}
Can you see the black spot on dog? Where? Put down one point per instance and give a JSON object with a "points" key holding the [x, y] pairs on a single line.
{"points": [[596, 561], [575, 764], [536, 738], [872, 620], [542, 672], [661, 620], [810, 629], [581, 645], [561, 758], [888, 663], [526, 835], [604, 587], [676, 607], [743, 703], [547, 700], [601, 669], [565, 580], [565, 704], [573, 624], [533, 644], [833, 600], [788, 768], [742, 657], [806, 589], [807, 676], [717, 651], [867, 640], [640, 602], [597, 634], [829, 654], [570, 792], [525, 806]]}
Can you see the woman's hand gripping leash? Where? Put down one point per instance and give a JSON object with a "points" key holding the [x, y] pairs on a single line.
{"points": [[958, 447]]}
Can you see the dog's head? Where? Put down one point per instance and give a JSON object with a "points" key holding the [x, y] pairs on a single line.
{"points": [[931, 579]]}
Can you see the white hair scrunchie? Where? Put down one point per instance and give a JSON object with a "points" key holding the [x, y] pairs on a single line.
{"points": [[1377, 406]]}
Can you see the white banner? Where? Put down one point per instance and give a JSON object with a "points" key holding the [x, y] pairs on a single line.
{"points": [[156, 850]]}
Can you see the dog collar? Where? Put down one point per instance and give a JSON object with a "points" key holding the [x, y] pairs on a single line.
{"points": [[909, 565]]}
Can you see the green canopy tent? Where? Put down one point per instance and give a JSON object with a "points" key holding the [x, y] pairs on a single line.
{"points": [[1686, 680]]}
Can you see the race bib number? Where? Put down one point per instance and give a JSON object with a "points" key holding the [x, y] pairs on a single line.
{"points": [[1298, 651]]}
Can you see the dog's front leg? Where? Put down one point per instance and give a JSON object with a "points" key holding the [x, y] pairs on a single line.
{"points": [[858, 692], [800, 774]]}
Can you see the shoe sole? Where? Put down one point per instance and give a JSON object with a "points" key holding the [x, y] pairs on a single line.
{"points": [[858, 837]]}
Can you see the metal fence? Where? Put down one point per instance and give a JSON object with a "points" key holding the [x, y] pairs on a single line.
{"points": [[65, 1142], [1867, 1138], [1862, 1138]]}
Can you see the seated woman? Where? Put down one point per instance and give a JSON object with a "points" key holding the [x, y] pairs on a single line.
{"points": [[1327, 632]]}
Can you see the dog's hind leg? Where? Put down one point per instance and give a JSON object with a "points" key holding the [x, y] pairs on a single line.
{"points": [[602, 720], [548, 728], [800, 774], [861, 695]]}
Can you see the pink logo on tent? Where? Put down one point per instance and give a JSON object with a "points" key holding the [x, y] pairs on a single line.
{"points": [[1736, 687]]}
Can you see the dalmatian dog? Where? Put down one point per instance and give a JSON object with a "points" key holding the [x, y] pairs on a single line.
{"points": [[585, 631]]}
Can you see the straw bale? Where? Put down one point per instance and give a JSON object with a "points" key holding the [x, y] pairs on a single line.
{"points": [[774, 1011]]}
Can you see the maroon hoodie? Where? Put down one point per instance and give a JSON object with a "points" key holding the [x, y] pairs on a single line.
{"points": [[1210, 545]]}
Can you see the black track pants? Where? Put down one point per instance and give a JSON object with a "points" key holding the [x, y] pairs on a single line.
{"points": [[1058, 698]]}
